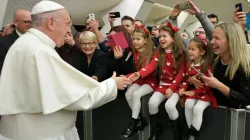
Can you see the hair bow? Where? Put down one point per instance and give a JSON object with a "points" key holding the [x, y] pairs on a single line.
{"points": [[172, 27], [143, 28], [203, 39]]}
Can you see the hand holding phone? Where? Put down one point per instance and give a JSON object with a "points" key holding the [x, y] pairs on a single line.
{"points": [[92, 16], [184, 6], [114, 14], [239, 5], [200, 73]]}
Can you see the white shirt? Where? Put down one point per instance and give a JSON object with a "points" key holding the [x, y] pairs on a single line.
{"points": [[18, 33], [40, 93]]}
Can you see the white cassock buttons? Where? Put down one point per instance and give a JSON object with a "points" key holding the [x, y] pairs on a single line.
{"points": [[174, 81], [144, 69], [168, 64], [156, 59]]}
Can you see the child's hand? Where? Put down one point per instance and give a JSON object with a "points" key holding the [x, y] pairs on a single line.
{"points": [[189, 93], [133, 77], [168, 93], [181, 91]]}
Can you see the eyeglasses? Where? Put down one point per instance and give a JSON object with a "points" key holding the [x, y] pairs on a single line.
{"points": [[214, 22], [27, 22], [85, 44], [199, 32]]}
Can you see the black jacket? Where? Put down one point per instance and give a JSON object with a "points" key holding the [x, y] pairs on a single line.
{"points": [[5, 43], [239, 88], [98, 65]]}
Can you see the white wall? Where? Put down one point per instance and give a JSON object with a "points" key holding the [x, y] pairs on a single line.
{"points": [[3, 5], [126, 7], [14, 5], [192, 27]]}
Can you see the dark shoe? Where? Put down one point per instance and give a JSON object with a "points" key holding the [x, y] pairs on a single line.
{"points": [[193, 132], [175, 124], [191, 138], [142, 123], [155, 135], [156, 127], [134, 127]]}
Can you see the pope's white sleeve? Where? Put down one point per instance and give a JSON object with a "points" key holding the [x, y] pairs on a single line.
{"points": [[64, 87], [96, 97]]}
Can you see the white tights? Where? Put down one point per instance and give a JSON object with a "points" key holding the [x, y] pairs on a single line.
{"points": [[194, 112], [170, 104], [133, 97]]}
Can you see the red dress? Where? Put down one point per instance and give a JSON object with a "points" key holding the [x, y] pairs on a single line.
{"points": [[148, 73], [171, 77], [204, 93]]}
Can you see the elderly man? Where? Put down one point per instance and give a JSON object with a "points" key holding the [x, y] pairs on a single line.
{"points": [[39, 92], [22, 22]]}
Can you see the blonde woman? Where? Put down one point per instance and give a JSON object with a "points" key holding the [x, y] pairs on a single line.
{"points": [[92, 62], [231, 76], [230, 79]]}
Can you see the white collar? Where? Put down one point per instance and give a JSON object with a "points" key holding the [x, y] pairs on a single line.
{"points": [[43, 37], [141, 50], [168, 51], [198, 64], [18, 33]]}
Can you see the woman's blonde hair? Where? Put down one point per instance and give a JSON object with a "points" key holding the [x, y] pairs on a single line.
{"points": [[87, 35], [238, 48]]}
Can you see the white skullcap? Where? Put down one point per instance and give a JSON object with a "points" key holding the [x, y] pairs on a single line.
{"points": [[45, 6]]}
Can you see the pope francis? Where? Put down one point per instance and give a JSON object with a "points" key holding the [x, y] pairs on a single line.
{"points": [[39, 92]]}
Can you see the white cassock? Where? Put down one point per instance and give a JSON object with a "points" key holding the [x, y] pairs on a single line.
{"points": [[40, 93]]}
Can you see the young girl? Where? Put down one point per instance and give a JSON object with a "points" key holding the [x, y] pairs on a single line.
{"points": [[197, 100], [145, 63], [171, 69]]}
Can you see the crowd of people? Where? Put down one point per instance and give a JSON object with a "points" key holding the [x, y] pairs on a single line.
{"points": [[49, 71]]}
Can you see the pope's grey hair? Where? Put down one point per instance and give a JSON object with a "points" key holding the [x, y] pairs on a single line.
{"points": [[40, 19]]}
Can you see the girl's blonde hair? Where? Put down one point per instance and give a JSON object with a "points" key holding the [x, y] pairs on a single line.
{"points": [[239, 51]]}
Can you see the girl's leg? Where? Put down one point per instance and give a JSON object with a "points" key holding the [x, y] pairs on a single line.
{"points": [[170, 106], [189, 105], [136, 99], [198, 113], [154, 102], [129, 93]]}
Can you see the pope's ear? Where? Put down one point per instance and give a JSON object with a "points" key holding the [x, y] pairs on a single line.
{"points": [[51, 23]]}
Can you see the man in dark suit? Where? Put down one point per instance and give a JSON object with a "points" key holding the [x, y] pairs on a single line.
{"points": [[22, 22]]}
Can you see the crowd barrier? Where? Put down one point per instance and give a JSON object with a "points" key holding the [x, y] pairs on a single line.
{"points": [[110, 120]]}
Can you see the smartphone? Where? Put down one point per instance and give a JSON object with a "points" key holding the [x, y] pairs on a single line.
{"points": [[117, 39], [92, 16], [239, 5], [184, 6], [248, 21], [116, 14], [200, 73]]}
